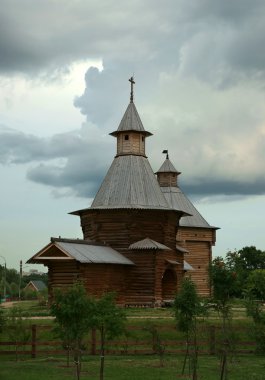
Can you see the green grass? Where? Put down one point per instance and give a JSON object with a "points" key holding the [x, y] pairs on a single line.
{"points": [[30, 309], [139, 338], [33, 308], [132, 368], [247, 367]]}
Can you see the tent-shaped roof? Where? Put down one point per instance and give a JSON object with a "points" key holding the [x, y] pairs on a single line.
{"points": [[80, 250], [177, 200], [148, 244], [131, 122], [130, 183], [167, 167]]}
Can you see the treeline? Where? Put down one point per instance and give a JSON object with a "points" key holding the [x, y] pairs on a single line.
{"points": [[12, 284], [247, 269]]}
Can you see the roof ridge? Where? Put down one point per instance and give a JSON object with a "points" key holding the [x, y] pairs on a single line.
{"points": [[77, 241]]}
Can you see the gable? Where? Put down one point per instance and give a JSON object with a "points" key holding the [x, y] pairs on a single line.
{"points": [[81, 251], [51, 252]]}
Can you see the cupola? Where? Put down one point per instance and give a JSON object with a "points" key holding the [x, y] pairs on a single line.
{"points": [[167, 175], [131, 133]]}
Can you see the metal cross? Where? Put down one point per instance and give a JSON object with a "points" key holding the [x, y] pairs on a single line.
{"points": [[132, 83]]}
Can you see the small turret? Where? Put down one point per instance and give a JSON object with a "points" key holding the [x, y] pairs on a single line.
{"points": [[131, 133], [167, 175]]}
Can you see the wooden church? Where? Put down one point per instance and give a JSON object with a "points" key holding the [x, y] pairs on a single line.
{"points": [[141, 233]]}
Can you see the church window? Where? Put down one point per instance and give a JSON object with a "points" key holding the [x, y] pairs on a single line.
{"points": [[126, 137]]}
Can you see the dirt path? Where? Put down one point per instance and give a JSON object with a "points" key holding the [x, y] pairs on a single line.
{"points": [[8, 304]]}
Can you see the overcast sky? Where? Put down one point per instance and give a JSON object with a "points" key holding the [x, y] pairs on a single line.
{"points": [[199, 69]]}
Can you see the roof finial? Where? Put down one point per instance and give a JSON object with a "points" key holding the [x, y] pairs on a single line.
{"points": [[165, 152], [132, 83]]}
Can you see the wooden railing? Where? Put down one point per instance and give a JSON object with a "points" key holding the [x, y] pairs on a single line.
{"points": [[126, 345]]}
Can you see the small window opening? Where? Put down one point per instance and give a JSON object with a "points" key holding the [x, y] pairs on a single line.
{"points": [[126, 137], [142, 138]]}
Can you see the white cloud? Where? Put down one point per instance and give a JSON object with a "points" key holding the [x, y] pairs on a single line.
{"points": [[199, 70]]}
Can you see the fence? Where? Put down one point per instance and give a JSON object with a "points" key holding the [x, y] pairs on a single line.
{"points": [[136, 340]]}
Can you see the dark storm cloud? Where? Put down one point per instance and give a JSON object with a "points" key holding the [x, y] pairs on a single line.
{"points": [[81, 176], [107, 93], [205, 187], [78, 162], [217, 41], [17, 147], [67, 160]]}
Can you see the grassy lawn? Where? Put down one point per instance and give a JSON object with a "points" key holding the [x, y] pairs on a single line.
{"points": [[29, 308], [132, 368], [51, 367], [33, 308]]}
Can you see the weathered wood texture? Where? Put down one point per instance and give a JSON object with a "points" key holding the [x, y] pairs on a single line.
{"points": [[97, 278], [153, 279], [198, 241], [196, 234], [120, 228], [167, 179], [61, 275], [131, 143], [101, 278]]}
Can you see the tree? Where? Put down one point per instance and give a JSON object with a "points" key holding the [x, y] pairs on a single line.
{"points": [[256, 284], [252, 258], [73, 311], [243, 262], [158, 346], [223, 282], [109, 320], [14, 289], [18, 328], [12, 275], [255, 297], [188, 307]]}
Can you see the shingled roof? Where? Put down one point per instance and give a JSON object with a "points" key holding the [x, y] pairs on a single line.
{"points": [[148, 243], [167, 167], [84, 251], [177, 200], [131, 122], [130, 183]]}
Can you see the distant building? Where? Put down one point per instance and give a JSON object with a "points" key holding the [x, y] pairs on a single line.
{"points": [[32, 272], [36, 286], [141, 234]]}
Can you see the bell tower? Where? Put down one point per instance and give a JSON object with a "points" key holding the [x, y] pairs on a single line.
{"points": [[131, 134]]}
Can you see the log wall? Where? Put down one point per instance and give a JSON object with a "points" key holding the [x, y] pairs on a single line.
{"points": [[120, 228], [198, 241], [97, 278], [61, 274], [135, 144]]}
